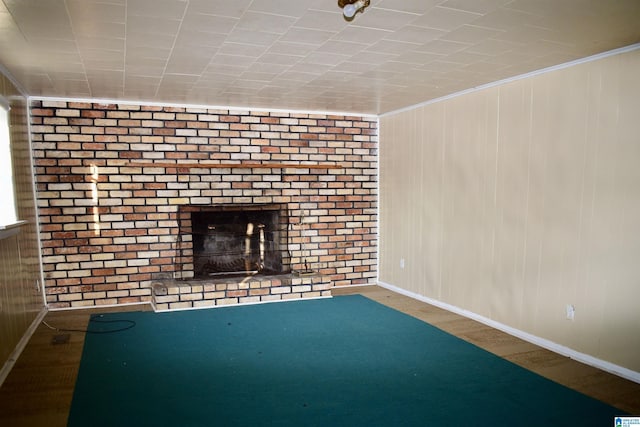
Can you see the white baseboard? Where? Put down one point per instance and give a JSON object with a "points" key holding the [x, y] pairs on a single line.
{"points": [[549, 345], [8, 364]]}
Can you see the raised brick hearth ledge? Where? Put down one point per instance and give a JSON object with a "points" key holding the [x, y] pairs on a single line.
{"points": [[172, 294]]}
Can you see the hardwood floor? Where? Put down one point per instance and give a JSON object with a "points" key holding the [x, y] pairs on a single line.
{"points": [[39, 389], [609, 388]]}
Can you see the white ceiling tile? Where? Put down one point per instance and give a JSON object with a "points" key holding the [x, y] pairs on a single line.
{"points": [[305, 67], [445, 19], [246, 83], [351, 67], [170, 79], [41, 19], [279, 58], [233, 9], [216, 67], [258, 76], [357, 34], [289, 48], [440, 66], [417, 57], [165, 26], [56, 45], [136, 53], [505, 19], [411, 6], [540, 7], [295, 76], [252, 37], [239, 60], [302, 53], [442, 47], [465, 57], [481, 67], [391, 46], [105, 77], [493, 47], [476, 6], [263, 67], [383, 19], [83, 10], [324, 58], [145, 39], [373, 57], [280, 7], [309, 36], [80, 87], [342, 47], [414, 34], [395, 66], [243, 49], [170, 9], [208, 23], [257, 21], [471, 34], [54, 57], [102, 54], [198, 39], [322, 20], [104, 64], [145, 68], [108, 43], [187, 64], [99, 30]]}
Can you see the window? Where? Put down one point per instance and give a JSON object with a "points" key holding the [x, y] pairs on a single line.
{"points": [[7, 190]]}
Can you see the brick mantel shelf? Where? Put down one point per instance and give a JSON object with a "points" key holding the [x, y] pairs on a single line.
{"points": [[233, 165]]}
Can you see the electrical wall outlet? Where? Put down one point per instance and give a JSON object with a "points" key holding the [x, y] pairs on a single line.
{"points": [[571, 312], [401, 262]]}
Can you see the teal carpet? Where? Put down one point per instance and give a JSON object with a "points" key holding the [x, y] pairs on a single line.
{"points": [[344, 361]]}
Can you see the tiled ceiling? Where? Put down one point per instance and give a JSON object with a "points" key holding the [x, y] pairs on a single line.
{"points": [[297, 54]]}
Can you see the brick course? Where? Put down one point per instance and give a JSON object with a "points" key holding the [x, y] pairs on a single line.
{"points": [[108, 229]]}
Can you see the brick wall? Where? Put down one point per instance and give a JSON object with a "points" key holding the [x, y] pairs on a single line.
{"points": [[108, 227]]}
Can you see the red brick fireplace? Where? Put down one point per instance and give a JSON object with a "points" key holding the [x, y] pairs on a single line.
{"points": [[118, 184]]}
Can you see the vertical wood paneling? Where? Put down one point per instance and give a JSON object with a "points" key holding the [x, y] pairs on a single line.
{"points": [[521, 199], [621, 310], [20, 300]]}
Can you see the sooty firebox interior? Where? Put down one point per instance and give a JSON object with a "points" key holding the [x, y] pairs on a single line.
{"points": [[236, 242]]}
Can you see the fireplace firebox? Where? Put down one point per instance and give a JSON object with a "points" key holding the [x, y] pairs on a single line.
{"points": [[238, 240]]}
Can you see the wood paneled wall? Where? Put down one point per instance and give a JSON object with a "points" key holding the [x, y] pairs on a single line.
{"points": [[519, 199], [20, 295]]}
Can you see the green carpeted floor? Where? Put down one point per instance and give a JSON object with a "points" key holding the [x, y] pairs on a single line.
{"points": [[344, 361]]}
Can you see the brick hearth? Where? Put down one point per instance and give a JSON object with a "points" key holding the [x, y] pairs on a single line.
{"points": [[110, 226], [185, 294]]}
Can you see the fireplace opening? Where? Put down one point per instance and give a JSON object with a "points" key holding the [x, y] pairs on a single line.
{"points": [[236, 242]]}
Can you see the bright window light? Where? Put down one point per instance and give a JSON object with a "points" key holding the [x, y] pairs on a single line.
{"points": [[7, 190]]}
